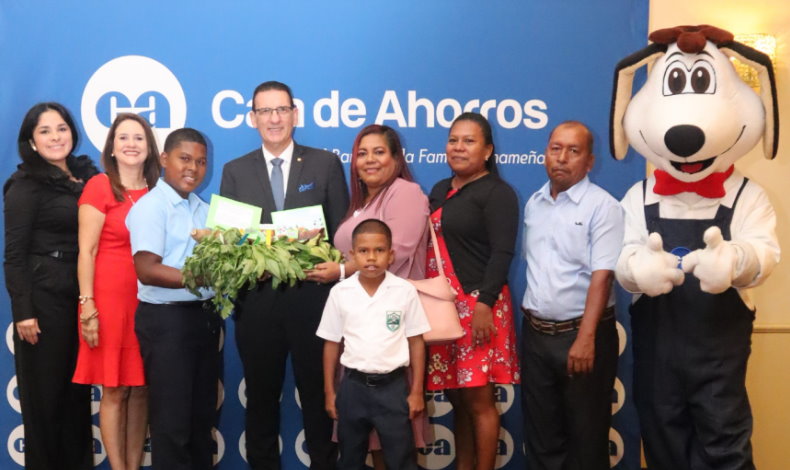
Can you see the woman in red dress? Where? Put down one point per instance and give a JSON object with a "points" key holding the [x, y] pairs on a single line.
{"points": [[475, 216], [109, 353]]}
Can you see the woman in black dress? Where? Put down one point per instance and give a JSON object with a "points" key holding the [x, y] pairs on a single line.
{"points": [[41, 277]]}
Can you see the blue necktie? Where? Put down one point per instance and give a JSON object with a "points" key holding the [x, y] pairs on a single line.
{"points": [[278, 190]]}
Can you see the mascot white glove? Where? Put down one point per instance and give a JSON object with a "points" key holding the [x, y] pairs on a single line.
{"points": [[655, 271], [715, 265]]}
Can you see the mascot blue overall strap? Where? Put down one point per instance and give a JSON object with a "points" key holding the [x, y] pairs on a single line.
{"points": [[698, 235]]}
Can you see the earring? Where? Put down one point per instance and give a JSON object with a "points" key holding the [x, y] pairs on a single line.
{"points": [[112, 155], [33, 146]]}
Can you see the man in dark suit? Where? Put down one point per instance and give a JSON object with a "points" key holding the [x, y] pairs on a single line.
{"points": [[271, 323]]}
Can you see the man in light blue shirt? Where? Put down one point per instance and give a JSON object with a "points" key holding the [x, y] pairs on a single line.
{"points": [[178, 331], [572, 238]]}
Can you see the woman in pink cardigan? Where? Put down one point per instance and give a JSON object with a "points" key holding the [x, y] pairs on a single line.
{"points": [[382, 188]]}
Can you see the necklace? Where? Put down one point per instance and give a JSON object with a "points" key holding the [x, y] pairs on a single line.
{"points": [[129, 195]]}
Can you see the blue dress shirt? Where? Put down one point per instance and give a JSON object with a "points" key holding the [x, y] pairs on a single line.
{"points": [[161, 223], [565, 240]]}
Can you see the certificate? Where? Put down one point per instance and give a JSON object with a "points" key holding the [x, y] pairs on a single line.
{"points": [[226, 213], [296, 223]]}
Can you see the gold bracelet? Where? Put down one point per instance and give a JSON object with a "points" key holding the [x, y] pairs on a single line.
{"points": [[86, 318], [84, 298]]}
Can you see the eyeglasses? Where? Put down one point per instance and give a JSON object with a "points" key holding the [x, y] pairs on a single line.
{"points": [[267, 112]]}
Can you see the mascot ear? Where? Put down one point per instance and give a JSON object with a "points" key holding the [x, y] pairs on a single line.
{"points": [[621, 94], [765, 72]]}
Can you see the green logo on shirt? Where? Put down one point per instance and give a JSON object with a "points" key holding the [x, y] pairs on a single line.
{"points": [[393, 320]]}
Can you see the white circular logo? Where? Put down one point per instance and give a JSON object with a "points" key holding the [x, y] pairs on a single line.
{"points": [[221, 339], [504, 448], [220, 393], [219, 450], [96, 393], [441, 452], [297, 398], [616, 448], [437, 404], [132, 84], [619, 398], [504, 397], [622, 336], [9, 337], [147, 450], [243, 393], [16, 445], [301, 450], [12, 394], [99, 453], [243, 445]]}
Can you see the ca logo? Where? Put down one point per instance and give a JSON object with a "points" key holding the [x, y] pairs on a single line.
{"points": [[301, 450], [616, 447], [219, 442], [96, 393], [16, 445], [9, 337], [437, 404], [12, 395], [99, 453], [441, 452], [132, 84], [504, 448], [504, 397]]}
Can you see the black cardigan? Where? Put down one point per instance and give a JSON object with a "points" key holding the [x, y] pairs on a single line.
{"points": [[480, 226], [40, 217]]}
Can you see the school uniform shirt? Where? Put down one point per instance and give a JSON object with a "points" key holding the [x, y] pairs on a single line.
{"points": [[161, 223], [565, 240], [374, 329], [753, 223]]}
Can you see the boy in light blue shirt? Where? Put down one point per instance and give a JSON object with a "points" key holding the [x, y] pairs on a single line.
{"points": [[178, 332]]}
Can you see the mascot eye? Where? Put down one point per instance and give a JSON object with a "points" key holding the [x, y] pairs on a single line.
{"points": [[674, 79], [703, 78]]}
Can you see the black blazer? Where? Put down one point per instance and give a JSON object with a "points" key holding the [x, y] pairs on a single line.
{"points": [[315, 177]]}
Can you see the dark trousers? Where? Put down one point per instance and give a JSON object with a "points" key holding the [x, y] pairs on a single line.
{"points": [[567, 419], [270, 324], [179, 345], [56, 413], [362, 408]]}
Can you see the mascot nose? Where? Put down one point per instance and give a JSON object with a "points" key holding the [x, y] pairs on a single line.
{"points": [[684, 140]]}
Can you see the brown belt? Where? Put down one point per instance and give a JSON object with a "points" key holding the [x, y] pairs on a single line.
{"points": [[556, 327]]}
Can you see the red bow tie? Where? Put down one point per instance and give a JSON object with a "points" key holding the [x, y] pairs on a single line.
{"points": [[712, 186]]}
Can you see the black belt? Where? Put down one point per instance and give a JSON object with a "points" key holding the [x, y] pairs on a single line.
{"points": [[375, 380], [184, 303], [61, 255], [556, 327]]}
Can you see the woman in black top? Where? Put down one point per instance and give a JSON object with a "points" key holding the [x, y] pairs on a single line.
{"points": [[475, 215], [41, 277]]}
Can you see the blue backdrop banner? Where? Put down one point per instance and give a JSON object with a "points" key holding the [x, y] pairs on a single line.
{"points": [[415, 65]]}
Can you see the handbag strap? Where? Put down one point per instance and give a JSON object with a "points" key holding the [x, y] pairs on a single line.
{"points": [[435, 244]]}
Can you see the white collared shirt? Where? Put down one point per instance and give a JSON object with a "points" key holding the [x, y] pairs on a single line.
{"points": [[565, 240], [753, 222], [287, 156], [374, 329]]}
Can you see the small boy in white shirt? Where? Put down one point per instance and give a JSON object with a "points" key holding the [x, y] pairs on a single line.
{"points": [[380, 321]]}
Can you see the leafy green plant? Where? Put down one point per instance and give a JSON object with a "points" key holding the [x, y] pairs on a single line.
{"points": [[227, 261]]}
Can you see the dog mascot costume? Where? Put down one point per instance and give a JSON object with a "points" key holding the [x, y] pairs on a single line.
{"points": [[698, 235]]}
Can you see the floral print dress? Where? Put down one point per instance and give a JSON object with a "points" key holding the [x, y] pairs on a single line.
{"points": [[462, 363]]}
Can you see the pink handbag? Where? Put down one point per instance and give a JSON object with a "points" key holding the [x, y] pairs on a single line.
{"points": [[438, 300]]}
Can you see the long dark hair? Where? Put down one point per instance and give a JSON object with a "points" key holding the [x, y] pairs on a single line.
{"points": [[29, 156], [485, 128], [359, 190], [151, 167]]}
